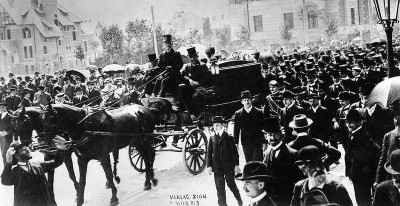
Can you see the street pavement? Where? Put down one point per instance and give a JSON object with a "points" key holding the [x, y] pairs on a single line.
{"points": [[176, 185]]}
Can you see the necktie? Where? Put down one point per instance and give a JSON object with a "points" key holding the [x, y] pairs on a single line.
{"points": [[253, 204]]}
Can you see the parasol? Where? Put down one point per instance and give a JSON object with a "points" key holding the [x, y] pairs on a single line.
{"points": [[378, 40], [385, 93], [113, 68], [76, 73]]}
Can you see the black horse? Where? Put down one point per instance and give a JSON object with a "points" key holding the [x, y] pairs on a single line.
{"points": [[95, 134]]}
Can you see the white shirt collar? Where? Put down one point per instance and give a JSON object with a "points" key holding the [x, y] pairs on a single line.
{"points": [[248, 110], [315, 109], [356, 130], [302, 134], [277, 146], [22, 163], [259, 197], [291, 105], [220, 133], [320, 186]]}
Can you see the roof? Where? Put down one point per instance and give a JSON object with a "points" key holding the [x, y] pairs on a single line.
{"points": [[26, 12], [90, 27]]}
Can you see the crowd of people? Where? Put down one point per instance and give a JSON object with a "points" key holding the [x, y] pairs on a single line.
{"points": [[310, 103]]}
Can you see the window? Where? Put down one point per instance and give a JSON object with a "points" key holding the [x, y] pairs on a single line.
{"points": [[26, 33], [85, 46], [258, 26], [73, 35], [8, 34], [61, 59], [33, 68], [59, 42], [288, 20], [30, 52], [25, 52], [312, 20], [55, 19], [12, 59], [26, 68], [44, 49], [353, 16], [2, 36]]}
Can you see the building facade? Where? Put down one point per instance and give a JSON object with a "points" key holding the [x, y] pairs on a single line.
{"points": [[39, 35], [266, 18]]}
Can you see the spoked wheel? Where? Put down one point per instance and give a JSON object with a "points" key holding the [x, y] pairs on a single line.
{"points": [[194, 151], [136, 159]]}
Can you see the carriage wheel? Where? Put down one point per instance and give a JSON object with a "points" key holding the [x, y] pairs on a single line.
{"points": [[158, 141], [136, 159], [194, 151]]}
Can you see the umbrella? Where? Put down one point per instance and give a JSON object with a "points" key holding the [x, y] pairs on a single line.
{"points": [[385, 93], [378, 40], [113, 68], [76, 73], [334, 42], [224, 53], [304, 49], [91, 67]]}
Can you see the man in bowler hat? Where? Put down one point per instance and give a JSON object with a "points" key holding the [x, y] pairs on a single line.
{"points": [[223, 160], [301, 125], [170, 60], [255, 180], [388, 192], [280, 160], [317, 188], [248, 125], [361, 158]]}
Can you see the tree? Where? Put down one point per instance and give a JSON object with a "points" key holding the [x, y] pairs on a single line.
{"points": [[331, 27], [139, 39], [286, 34], [112, 39], [223, 36], [207, 32], [244, 37], [79, 52], [194, 37], [93, 46]]}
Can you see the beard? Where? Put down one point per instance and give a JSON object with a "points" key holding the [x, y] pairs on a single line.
{"points": [[318, 178]]}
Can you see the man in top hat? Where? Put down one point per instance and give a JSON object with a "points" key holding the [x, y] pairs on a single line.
{"points": [[170, 60], [322, 126], [93, 94], [248, 123], [80, 99], [13, 100], [361, 158], [341, 132], [223, 160], [357, 79], [28, 178], [335, 88], [388, 192], [196, 76], [12, 79], [255, 183], [288, 112], [318, 188], [150, 73], [25, 101], [265, 79], [301, 125], [280, 160], [41, 97], [210, 51]]}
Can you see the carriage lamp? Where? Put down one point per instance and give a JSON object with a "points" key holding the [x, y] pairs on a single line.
{"points": [[387, 13]]}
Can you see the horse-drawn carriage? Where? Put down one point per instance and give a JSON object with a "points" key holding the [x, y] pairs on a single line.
{"points": [[229, 79]]}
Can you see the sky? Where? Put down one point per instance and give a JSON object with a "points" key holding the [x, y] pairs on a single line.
{"points": [[121, 11]]}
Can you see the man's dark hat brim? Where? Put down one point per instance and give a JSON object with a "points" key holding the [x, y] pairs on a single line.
{"points": [[254, 177], [390, 169]]}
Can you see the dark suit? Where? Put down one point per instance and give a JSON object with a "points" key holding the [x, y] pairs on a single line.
{"points": [[77, 102], [334, 192], [249, 126], [223, 157], [25, 103], [12, 102], [265, 201], [284, 169], [69, 90], [342, 133], [305, 140], [286, 116], [169, 58], [92, 95], [386, 194], [361, 158], [322, 124], [391, 142]]}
